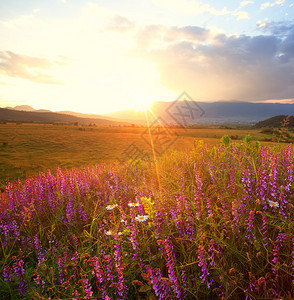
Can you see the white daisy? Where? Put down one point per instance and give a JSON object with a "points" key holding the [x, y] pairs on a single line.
{"points": [[141, 218], [111, 207], [133, 204], [273, 204]]}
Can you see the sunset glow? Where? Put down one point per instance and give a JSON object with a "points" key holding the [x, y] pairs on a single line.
{"points": [[101, 57]]}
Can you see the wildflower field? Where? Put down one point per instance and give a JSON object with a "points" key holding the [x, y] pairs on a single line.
{"points": [[212, 223]]}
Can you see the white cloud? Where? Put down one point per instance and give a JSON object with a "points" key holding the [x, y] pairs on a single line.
{"points": [[265, 5], [260, 24], [27, 67], [120, 24], [160, 36], [272, 4], [241, 15], [197, 8], [244, 3]]}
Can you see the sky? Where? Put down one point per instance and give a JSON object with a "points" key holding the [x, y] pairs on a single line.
{"points": [[105, 56]]}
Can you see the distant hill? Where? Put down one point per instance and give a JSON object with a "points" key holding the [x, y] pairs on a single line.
{"points": [[275, 122], [12, 115], [43, 110], [88, 116], [193, 112], [169, 113], [22, 108]]}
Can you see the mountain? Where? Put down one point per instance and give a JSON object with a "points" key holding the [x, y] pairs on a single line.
{"points": [[22, 108], [79, 115], [169, 113], [43, 110], [88, 116], [12, 115], [193, 112], [276, 122]]}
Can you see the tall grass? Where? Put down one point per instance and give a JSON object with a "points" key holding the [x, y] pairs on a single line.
{"points": [[215, 223]]}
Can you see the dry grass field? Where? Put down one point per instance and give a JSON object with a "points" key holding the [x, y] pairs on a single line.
{"points": [[28, 149]]}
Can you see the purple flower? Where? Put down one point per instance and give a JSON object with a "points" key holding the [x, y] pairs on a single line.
{"points": [[39, 250], [171, 268], [7, 273], [101, 277], [19, 271], [87, 289], [159, 285], [120, 287]]}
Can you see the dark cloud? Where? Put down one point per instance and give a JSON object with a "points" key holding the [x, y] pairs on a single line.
{"points": [[27, 67], [213, 67], [287, 47], [280, 29], [285, 32]]}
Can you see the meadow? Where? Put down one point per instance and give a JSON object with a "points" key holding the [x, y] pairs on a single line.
{"points": [[212, 222], [27, 149]]}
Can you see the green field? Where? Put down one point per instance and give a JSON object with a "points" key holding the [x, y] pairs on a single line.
{"points": [[28, 149]]}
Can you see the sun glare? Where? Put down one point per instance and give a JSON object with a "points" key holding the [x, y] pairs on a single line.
{"points": [[143, 104]]}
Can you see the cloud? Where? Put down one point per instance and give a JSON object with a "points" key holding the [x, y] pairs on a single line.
{"points": [[154, 36], [283, 101], [27, 67], [272, 4], [120, 24], [197, 8], [208, 64], [261, 24], [241, 15], [214, 67], [281, 29], [285, 32], [62, 60], [265, 5], [244, 3]]}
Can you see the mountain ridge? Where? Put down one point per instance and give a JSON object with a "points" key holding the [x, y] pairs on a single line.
{"points": [[11, 115], [211, 112], [173, 112], [277, 122]]}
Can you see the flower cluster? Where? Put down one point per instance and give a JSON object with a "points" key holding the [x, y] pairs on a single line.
{"points": [[217, 225]]}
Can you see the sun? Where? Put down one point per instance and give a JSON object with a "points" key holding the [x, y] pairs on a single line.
{"points": [[143, 104], [141, 99]]}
